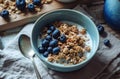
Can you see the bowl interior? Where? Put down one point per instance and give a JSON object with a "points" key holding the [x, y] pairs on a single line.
{"points": [[65, 15]]}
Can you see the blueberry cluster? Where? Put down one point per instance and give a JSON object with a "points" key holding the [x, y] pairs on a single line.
{"points": [[21, 4], [50, 42]]}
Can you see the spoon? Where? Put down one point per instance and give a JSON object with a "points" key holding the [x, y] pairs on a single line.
{"points": [[27, 51]]}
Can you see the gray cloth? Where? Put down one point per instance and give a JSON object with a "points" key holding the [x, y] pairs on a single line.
{"points": [[13, 65], [1, 45]]}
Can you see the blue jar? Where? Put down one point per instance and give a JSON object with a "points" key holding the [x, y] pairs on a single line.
{"points": [[112, 13]]}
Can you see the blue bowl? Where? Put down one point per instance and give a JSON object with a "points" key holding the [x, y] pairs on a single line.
{"points": [[65, 15]]}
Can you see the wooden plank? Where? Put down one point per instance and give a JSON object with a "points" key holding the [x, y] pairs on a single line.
{"points": [[21, 19]]}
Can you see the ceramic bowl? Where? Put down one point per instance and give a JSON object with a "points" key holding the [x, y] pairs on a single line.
{"points": [[65, 15]]}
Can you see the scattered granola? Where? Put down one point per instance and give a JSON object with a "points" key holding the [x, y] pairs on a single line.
{"points": [[11, 6]]}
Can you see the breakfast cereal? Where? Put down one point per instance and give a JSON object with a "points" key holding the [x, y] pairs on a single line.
{"points": [[72, 48]]}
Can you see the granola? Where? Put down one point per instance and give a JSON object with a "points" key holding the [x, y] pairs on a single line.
{"points": [[74, 49], [10, 5]]}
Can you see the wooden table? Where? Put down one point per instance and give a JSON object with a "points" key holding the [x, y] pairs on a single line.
{"points": [[95, 9], [16, 20]]}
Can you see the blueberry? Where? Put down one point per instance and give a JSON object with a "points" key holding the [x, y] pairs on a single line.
{"points": [[45, 43], [106, 42], [36, 2], [4, 13], [53, 43], [56, 50], [48, 37], [45, 54], [62, 38], [100, 29], [42, 39], [52, 28], [56, 33], [41, 50], [31, 7], [49, 32], [49, 49], [21, 4]]}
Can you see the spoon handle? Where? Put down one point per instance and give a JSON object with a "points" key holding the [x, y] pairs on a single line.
{"points": [[36, 70]]}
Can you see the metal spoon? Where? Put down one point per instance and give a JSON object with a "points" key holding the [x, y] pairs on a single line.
{"points": [[27, 51]]}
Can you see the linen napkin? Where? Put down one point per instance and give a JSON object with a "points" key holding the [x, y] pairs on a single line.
{"points": [[1, 45], [13, 65]]}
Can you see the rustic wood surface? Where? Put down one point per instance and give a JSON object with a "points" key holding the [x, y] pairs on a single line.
{"points": [[95, 9], [17, 20], [21, 19]]}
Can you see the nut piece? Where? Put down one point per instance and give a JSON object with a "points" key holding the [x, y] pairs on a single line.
{"points": [[83, 31], [1, 1], [88, 48], [46, 1]]}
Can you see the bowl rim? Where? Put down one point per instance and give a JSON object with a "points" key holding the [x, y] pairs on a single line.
{"points": [[67, 66]]}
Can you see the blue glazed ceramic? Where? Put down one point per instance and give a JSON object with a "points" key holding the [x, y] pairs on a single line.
{"points": [[112, 13], [66, 15]]}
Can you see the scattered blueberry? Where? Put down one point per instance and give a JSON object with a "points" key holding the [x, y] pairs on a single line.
{"points": [[4, 13], [45, 43], [49, 32], [62, 38], [36, 2], [31, 7], [21, 4], [48, 37], [52, 28], [45, 54], [100, 29], [53, 43], [41, 49], [49, 49], [56, 50], [56, 33], [107, 42]]}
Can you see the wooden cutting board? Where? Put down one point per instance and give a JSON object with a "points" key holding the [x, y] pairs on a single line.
{"points": [[17, 20]]}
